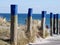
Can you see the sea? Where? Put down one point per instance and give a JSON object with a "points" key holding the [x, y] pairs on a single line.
{"points": [[23, 17]]}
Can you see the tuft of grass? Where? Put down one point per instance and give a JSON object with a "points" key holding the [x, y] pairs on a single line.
{"points": [[40, 33], [3, 43], [4, 32], [25, 38]]}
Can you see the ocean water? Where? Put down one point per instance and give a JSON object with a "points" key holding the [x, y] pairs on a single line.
{"points": [[22, 17]]}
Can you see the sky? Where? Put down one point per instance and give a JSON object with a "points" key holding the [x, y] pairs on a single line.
{"points": [[36, 5]]}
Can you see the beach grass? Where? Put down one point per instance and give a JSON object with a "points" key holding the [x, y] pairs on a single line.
{"points": [[23, 37]]}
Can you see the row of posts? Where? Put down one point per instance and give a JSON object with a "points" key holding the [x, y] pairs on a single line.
{"points": [[54, 24], [14, 23]]}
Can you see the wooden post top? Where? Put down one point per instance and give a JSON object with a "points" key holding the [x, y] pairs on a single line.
{"points": [[14, 9], [57, 15], [44, 14], [51, 15], [29, 12]]}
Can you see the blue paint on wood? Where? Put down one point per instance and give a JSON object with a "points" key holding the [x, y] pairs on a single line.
{"points": [[54, 16], [57, 16], [43, 14], [51, 15], [30, 12], [13, 9]]}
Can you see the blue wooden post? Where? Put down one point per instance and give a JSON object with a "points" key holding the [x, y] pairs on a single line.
{"points": [[51, 24], [54, 23], [57, 31], [14, 24], [29, 25], [43, 22]]}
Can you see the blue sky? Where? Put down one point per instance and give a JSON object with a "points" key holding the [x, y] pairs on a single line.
{"points": [[37, 5]]}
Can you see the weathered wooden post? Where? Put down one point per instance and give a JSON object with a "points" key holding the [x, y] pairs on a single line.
{"points": [[29, 20], [51, 24], [43, 25], [14, 24], [57, 31], [54, 24]]}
